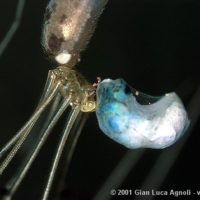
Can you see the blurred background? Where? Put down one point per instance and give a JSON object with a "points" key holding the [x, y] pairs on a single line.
{"points": [[153, 45]]}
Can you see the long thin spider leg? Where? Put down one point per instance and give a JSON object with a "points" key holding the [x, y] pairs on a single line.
{"points": [[27, 125], [54, 108], [9, 35], [72, 117], [49, 86], [16, 181], [71, 146], [50, 82], [119, 173], [9, 144], [68, 153], [166, 160], [17, 137]]}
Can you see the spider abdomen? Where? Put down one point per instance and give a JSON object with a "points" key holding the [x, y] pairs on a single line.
{"points": [[68, 27]]}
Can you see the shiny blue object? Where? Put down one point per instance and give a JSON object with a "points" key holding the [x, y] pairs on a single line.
{"points": [[137, 120]]}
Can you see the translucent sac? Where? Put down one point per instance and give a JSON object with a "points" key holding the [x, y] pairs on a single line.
{"points": [[137, 120]]}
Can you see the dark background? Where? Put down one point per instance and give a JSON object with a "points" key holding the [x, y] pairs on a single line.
{"points": [[153, 45]]}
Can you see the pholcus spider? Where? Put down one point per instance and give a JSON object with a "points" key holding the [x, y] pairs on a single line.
{"points": [[138, 75]]}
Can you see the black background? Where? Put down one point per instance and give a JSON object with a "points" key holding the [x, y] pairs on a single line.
{"points": [[154, 45]]}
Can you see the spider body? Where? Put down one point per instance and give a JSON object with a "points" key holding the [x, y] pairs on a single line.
{"points": [[68, 26], [75, 86]]}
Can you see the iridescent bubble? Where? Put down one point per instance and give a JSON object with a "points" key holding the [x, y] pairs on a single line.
{"points": [[138, 120]]}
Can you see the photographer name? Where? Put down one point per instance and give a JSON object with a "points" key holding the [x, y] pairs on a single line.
{"points": [[175, 193]]}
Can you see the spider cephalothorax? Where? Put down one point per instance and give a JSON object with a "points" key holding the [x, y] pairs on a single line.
{"points": [[75, 86]]}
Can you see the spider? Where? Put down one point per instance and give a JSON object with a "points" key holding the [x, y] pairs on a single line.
{"points": [[62, 83]]}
